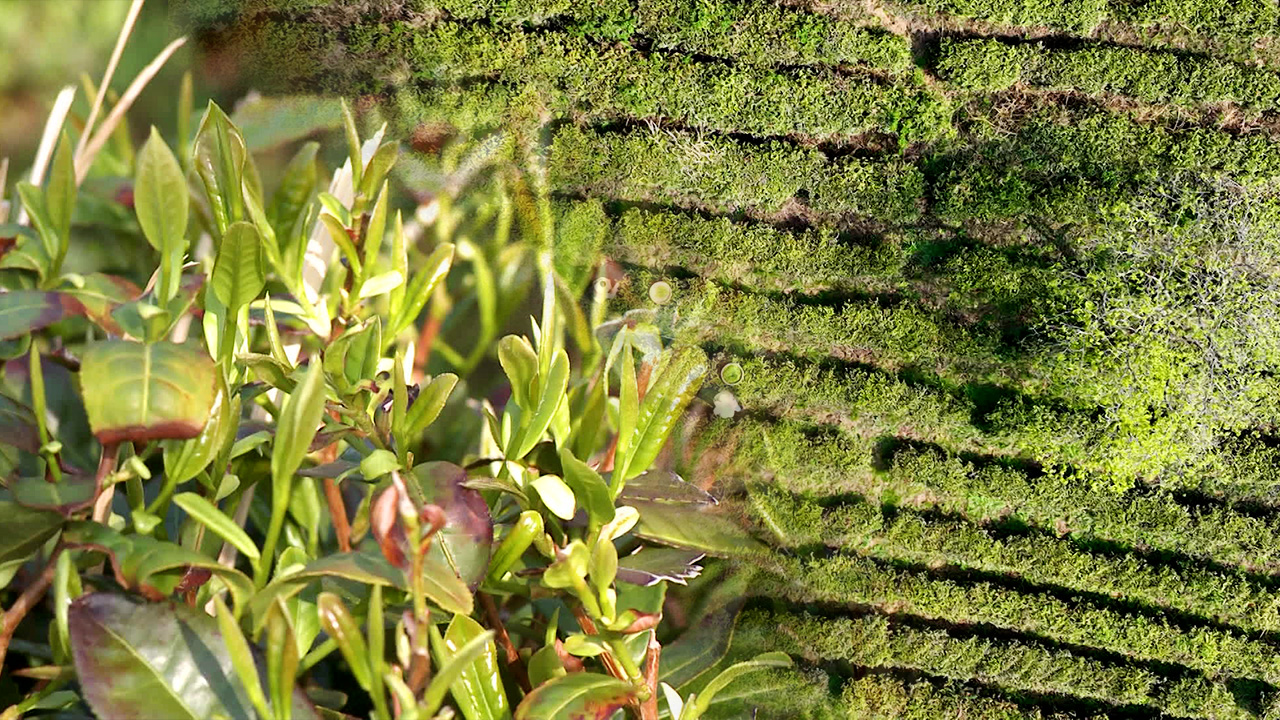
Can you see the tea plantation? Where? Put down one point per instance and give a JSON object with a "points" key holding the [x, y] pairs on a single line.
{"points": [[1003, 278]]}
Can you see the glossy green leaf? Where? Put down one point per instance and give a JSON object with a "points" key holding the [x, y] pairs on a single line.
{"points": [[375, 231], [99, 294], [337, 621], [24, 311], [570, 567], [628, 413], [208, 515], [381, 284], [137, 392], [553, 393], [523, 531], [427, 406], [239, 274], [368, 568], [160, 196], [34, 201], [468, 662], [577, 696], [378, 463], [678, 380], [157, 661], [299, 420], [590, 489], [556, 495]]}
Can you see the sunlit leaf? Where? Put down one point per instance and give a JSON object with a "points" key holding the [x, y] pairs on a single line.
{"points": [[139, 392], [239, 274], [578, 695], [469, 668]]}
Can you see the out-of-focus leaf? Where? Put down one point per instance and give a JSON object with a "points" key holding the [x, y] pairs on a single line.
{"points": [[469, 669], [60, 195], [99, 294], [701, 646], [239, 274], [24, 311], [25, 530], [161, 661], [467, 537], [18, 426], [434, 268], [653, 565], [664, 486], [693, 527], [268, 122], [764, 661], [520, 363], [588, 696], [137, 392], [72, 493]]}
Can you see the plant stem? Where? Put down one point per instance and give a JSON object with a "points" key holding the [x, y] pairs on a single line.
{"points": [[500, 632], [106, 466], [649, 708], [338, 512], [279, 508], [25, 602]]}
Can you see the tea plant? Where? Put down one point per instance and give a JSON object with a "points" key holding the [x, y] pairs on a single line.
{"points": [[181, 460]]}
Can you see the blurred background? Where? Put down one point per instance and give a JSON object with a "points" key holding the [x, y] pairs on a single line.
{"points": [[51, 43]]}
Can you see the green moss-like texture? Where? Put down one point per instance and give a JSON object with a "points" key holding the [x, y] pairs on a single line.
{"points": [[1001, 276]]}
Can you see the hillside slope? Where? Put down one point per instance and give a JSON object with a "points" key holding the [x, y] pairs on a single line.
{"points": [[1002, 278]]}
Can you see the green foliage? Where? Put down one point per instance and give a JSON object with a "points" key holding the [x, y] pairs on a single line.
{"points": [[1157, 77]]}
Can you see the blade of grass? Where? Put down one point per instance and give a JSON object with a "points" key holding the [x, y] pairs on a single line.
{"points": [[84, 161], [125, 31]]}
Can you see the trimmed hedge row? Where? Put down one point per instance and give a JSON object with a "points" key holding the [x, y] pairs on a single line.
{"points": [[1225, 597], [1153, 76], [1078, 166], [833, 463], [606, 82], [860, 581], [746, 253], [750, 31], [872, 641], [726, 174], [1237, 24], [884, 697]]}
